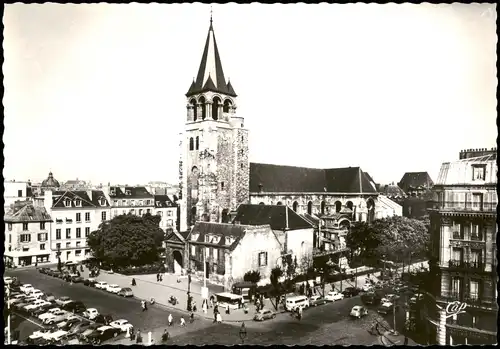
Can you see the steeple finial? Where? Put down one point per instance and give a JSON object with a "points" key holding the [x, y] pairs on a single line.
{"points": [[210, 16]]}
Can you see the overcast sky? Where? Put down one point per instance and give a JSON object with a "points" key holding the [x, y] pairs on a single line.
{"points": [[96, 92]]}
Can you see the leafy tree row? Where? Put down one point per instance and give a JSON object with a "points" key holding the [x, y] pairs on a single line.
{"points": [[128, 240]]}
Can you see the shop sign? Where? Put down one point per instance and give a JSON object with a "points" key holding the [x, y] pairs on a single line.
{"points": [[455, 308]]}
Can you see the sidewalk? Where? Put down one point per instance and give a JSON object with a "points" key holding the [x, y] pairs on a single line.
{"points": [[389, 339], [147, 287]]}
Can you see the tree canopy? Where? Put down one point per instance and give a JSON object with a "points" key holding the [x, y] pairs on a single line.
{"points": [[395, 237], [128, 240], [252, 276]]}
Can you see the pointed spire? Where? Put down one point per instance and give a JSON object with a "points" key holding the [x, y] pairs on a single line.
{"points": [[230, 89], [209, 85], [210, 67], [192, 88]]}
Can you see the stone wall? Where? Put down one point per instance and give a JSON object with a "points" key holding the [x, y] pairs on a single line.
{"points": [[242, 178]]}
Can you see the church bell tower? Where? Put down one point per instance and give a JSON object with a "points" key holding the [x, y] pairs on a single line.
{"points": [[214, 167]]}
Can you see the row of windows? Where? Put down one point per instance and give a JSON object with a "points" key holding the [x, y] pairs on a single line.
{"points": [[26, 226], [68, 233], [78, 202], [77, 252], [194, 144], [79, 218], [132, 203]]}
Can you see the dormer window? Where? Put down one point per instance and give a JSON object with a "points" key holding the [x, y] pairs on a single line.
{"points": [[478, 172], [139, 203], [112, 192], [102, 202], [67, 203], [207, 238], [194, 237], [128, 192], [132, 203], [229, 240], [158, 203], [78, 203]]}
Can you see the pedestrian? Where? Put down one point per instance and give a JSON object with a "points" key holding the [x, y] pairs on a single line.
{"points": [[191, 318], [204, 307], [227, 310], [161, 277], [194, 306], [406, 341], [219, 318], [138, 337], [211, 301], [157, 277], [300, 313], [240, 303], [183, 322], [170, 319], [165, 336]]}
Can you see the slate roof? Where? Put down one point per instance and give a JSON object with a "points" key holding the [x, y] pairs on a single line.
{"points": [[162, 201], [24, 211], [135, 193], [285, 179], [414, 180], [391, 190], [313, 220], [237, 231], [88, 198], [210, 73], [274, 215]]}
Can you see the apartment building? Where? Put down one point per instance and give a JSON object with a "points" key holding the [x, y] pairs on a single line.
{"points": [[167, 210], [75, 215], [134, 200], [16, 191], [27, 230], [463, 233]]}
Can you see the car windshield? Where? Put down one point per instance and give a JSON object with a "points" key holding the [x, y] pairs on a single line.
{"points": [[126, 289]]}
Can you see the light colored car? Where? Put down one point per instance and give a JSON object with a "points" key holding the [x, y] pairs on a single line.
{"points": [[63, 300], [264, 314], [56, 336], [26, 288], [333, 296], [126, 292], [314, 301], [392, 297], [46, 315], [90, 313], [358, 311], [114, 288], [38, 303], [37, 294], [121, 324], [386, 308], [7, 280], [101, 285], [367, 287], [16, 299], [40, 333], [56, 317]]}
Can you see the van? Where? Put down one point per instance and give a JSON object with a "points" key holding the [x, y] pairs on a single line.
{"points": [[298, 301]]}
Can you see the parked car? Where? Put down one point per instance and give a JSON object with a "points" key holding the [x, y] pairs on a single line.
{"points": [[101, 285], [68, 323], [7, 280], [47, 314], [264, 314], [43, 332], [56, 317], [387, 308], [91, 328], [90, 313], [27, 288], [49, 297], [76, 279], [367, 287], [57, 274], [114, 288], [79, 328], [103, 319], [63, 300], [102, 334], [36, 293], [350, 292], [398, 288], [371, 298], [314, 301], [16, 298], [36, 304], [42, 309], [56, 336], [75, 307], [121, 324], [89, 282], [25, 302], [358, 311], [333, 296], [126, 292], [42, 270]]}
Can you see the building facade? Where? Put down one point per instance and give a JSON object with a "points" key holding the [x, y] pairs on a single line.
{"points": [[27, 234], [16, 191], [167, 210], [213, 167], [231, 250], [133, 200], [463, 233], [75, 215]]}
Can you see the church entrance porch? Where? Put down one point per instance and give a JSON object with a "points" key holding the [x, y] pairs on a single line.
{"points": [[177, 262]]}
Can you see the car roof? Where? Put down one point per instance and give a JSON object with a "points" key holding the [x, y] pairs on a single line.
{"points": [[126, 289], [102, 328], [91, 309], [114, 285]]}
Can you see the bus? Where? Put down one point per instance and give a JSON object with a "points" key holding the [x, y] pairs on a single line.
{"points": [[228, 300], [245, 289]]}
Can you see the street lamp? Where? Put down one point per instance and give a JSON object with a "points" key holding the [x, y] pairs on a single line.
{"points": [[58, 254], [189, 291], [243, 333]]}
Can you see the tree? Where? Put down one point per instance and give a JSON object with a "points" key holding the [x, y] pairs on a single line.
{"points": [[127, 240], [289, 266], [276, 273], [324, 267], [252, 276]]}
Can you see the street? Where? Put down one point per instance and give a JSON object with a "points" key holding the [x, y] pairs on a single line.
{"points": [[327, 324]]}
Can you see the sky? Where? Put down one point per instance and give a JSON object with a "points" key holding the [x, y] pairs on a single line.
{"points": [[97, 91]]}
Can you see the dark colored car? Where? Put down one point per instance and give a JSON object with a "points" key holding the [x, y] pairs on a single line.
{"points": [[350, 292], [387, 308], [102, 334], [79, 328], [76, 279], [57, 274], [75, 307], [42, 270], [68, 324], [371, 298], [89, 282], [103, 319]]}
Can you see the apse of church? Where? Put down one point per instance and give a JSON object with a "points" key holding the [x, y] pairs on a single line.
{"points": [[214, 168]]}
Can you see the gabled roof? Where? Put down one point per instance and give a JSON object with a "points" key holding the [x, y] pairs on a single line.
{"points": [[135, 193], [414, 180], [162, 201], [25, 211], [224, 230], [279, 217], [59, 199], [286, 179], [313, 220], [97, 196], [176, 236], [210, 69], [391, 190]]}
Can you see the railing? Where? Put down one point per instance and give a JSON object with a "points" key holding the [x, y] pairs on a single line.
{"points": [[476, 237], [454, 263], [460, 264], [467, 206], [458, 236]]}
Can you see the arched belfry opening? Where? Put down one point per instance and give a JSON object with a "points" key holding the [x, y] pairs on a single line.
{"points": [[349, 205], [295, 206], [338, 206], [279, 203], [195, 109], [215, 108], [323, 204], [203, 107], [309, 207], [227, 106], [191, 143]]}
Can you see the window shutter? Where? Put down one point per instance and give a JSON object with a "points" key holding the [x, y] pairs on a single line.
{"points": [[266, 258]]}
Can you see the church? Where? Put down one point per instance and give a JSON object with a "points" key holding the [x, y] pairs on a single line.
{"points": [[216, 176]]}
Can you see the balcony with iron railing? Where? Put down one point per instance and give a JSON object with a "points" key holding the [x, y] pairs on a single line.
{"points": [[467, 206], [458, 264]]}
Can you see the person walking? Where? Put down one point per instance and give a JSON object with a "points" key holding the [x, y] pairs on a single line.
{"points": [[157, 277], [165, 336], [191, 318], [211, 301], [170, 319], [183, 322], [204, 306], [194, 306], [161, 277], [219, 318]]}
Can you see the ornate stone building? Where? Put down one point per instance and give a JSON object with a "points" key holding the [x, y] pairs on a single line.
{"points": [[214, 167], [463, 233]]}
